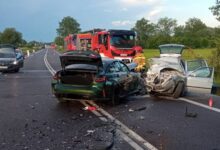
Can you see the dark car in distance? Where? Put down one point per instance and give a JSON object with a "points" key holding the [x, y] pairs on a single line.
{"points": [[10, 60], [85, 75]]}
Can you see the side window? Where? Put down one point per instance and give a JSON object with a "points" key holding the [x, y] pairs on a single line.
{"points": [[203, 72], [100, 39], [195, 64], [113, 68], [117, 66], [123, 67]]}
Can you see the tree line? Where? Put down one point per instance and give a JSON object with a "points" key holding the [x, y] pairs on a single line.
{"points": [[11, 36], [194, 33]]}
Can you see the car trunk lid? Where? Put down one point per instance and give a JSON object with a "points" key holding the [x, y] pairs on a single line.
{"points": [[80, 57], [171, 50]]}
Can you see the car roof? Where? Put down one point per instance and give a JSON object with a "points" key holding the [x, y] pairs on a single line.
{"points": [[7, 45], [106, 61]]}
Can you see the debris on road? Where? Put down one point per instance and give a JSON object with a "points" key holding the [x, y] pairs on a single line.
{"points": [[89, 132], [131, 110], [142, 117], [192, 115], [91, 108], [137, 109], [140, 109]]}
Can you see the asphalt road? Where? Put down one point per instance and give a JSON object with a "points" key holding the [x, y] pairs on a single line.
{"points": [[31, 118]]}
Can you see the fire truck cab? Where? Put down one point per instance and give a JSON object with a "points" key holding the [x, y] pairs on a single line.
{"points": [[116, 44]]}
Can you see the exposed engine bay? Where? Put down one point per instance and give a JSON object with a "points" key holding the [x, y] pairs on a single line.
{"points": [[165, 78]]}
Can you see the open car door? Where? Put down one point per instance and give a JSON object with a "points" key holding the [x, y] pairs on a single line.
{"points": [[199, 76]]}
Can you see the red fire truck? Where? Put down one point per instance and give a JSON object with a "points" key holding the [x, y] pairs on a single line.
{"points": [[118, 44]]}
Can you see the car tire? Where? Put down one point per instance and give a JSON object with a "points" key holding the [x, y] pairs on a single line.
{"points": [[142, 90], [179, 89], [17, 70], [60, 98], [115, 98]]}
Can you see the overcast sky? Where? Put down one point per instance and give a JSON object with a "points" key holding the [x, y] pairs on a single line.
{"points": [[38, 19]]}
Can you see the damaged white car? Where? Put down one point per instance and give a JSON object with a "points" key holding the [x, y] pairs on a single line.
{"points": [[169, 75]]}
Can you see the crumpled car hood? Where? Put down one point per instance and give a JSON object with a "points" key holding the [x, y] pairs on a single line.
{"points": [[163, 76]]}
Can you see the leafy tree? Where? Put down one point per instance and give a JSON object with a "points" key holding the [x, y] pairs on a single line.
{"points": [[214, 59], [67, 26], [0, 37], [179, 31], [195, 33], [166, 26], [165, 30], [144, 30], [216, 10], [194, 26], [11, 36], [59, 40]]}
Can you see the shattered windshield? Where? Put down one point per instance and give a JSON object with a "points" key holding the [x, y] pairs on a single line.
{"points": [[123, 41], [7, 52]]}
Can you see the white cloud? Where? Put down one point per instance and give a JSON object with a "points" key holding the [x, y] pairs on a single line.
{"points": [[124, 9], [122, 23], [156, 11], [107, 10], [152, 14], [132, 3]]}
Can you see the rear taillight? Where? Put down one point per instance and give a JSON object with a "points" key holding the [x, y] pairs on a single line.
{"points": [[93, 56], [56, 76], [100, 79]]}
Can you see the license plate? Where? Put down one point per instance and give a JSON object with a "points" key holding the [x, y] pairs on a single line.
{"points": [[3, 67], [124, 55]]}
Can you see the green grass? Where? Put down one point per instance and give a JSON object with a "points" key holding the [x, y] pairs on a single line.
{"points": [[187, 53]]}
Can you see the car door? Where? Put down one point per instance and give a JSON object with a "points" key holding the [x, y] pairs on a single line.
{"points": [[199, 76], [130, 81]]}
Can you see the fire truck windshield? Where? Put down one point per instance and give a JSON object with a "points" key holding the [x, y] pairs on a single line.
{"points": [[122, 41]]}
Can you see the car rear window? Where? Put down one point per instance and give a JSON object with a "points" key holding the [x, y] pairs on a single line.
{"points": [[82, 67]]}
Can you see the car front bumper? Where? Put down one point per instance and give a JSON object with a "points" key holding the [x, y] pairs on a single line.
{"points": [[9, 67]]}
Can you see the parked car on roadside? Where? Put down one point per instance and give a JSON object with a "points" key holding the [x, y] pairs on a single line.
{"points": [[85, 75], [170, 75], [10, 60]]}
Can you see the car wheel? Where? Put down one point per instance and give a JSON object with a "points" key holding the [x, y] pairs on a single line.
{"points": [[115, 99], [153, 95], [179, 89], [17, 70], [142, 90], [60, 98]]}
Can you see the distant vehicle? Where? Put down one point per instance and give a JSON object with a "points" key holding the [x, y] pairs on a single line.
{"points": [[85, 75], [10, 60], [171, 76]]}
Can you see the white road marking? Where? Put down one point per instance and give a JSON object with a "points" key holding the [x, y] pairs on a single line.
{"points": [[52, 71], [120, 133], [189, 101], [134, 135], [124, 128], [200, 105]]}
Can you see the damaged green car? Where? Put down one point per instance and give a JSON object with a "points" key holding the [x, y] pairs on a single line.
{"points": [[87, 76]]}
